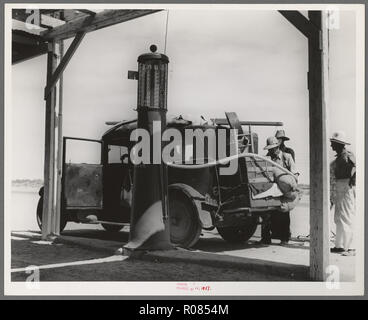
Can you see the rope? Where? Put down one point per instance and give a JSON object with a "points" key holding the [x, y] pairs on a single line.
{"points": [[167, 24]]}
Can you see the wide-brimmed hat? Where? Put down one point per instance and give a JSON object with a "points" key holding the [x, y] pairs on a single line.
{"points": [[280, 134], [271, 142], [339, 137]]}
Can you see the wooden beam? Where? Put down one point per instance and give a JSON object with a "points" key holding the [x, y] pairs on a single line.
{"points": [[22, 53], [100, 20], [25, 38], [45, 26], [70, 14], [59, 158], [50, 11], [64, 62], [319, 164], [89, 12], [49, 163], [26, 46], [22, 15], [300, 22]]}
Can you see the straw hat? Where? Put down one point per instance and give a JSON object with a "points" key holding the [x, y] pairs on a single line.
{"points": [[339, 137], [272, 142], [280, 134]]}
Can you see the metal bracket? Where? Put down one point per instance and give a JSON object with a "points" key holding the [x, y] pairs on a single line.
{"points": [[133, 75]]}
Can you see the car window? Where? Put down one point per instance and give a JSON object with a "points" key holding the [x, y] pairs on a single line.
{"points": [[118, 154]]}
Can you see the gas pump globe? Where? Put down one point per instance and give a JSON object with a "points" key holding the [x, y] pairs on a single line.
{"points": [[152, 80]]}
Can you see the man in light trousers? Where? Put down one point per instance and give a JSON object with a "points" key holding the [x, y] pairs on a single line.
{"points": [[343, 194]]}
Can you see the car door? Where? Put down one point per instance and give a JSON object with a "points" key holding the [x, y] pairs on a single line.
{"points": [[82, 177]]}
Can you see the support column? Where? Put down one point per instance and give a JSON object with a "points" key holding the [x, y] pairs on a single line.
{"points": [[48, 215], [59, 154], [318, 139]]}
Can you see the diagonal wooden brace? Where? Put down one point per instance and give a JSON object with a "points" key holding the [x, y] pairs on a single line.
{"points": [[304, 25], [63, 63]]}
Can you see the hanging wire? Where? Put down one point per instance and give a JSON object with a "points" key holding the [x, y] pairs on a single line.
{"points": [[167, 24]]}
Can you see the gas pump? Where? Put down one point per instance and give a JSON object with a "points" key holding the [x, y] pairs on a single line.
{"points": [[149, 229]]}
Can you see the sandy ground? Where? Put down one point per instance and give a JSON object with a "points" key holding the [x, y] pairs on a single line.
{"points": [[27, 249]]}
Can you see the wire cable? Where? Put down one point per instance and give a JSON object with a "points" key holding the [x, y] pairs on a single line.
{"points": [[166, 29]]}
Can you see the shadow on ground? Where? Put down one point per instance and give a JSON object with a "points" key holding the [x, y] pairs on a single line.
{"points": [[212, 243], [121, 237]]}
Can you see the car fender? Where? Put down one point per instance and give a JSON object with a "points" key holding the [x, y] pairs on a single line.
{"points": [[196, 198]]}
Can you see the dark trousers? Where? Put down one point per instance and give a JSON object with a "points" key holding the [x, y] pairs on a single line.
{"points": [[276, 225]]}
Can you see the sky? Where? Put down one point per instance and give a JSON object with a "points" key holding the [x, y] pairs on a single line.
{"points": [[250, 62]]}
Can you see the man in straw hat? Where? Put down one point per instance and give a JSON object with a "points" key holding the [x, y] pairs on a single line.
{"points": [[280, 135], [277, 224], [343, 194]]}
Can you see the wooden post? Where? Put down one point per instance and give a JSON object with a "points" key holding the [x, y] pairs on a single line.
{"points": [[59, 154], [315, 29], [319, 165], [49, 163]]}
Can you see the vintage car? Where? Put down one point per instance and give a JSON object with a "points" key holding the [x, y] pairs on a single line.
{"points": [[199, 197]]}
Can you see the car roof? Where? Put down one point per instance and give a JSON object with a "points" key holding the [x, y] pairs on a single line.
{"points": [[120, 133]]}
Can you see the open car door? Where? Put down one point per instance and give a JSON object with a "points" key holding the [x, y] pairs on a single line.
{"points": [[82, 182]]}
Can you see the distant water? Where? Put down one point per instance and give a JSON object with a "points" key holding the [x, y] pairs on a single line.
{"points": [[23, 209]]}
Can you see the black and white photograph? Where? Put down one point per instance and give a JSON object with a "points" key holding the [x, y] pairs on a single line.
{"points": [[184, 150]]}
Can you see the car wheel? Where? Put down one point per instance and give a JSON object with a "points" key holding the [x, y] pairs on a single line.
{"points": [[63, 221], [185, 227]]}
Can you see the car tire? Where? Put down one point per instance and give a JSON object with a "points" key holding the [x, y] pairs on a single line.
{"points": [[185, 227]]}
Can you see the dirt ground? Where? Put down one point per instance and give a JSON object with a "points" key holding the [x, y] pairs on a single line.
{"points": [[30, 251], [27, 250]]}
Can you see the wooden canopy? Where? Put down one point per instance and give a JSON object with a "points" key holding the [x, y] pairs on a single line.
{"points": [[26, 45], [59, 24]]}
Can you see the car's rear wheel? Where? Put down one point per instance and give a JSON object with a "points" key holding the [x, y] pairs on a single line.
{"points": [[111, 227], [63, 221], [239, 234], [185, 227]]}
